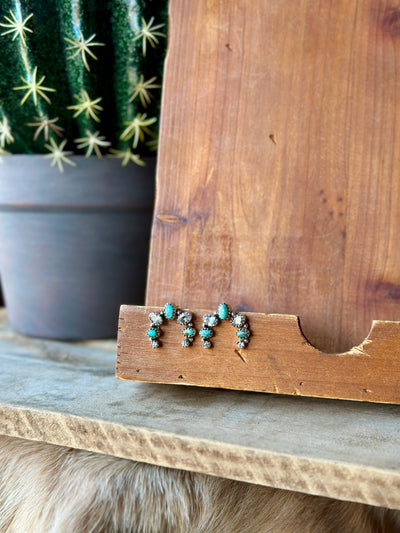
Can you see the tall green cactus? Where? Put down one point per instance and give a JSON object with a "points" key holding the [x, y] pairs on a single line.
{"points": [[81, 76]]}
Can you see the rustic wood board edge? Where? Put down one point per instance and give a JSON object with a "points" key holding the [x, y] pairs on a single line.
{"points": [[340, 480], [278, 359]]}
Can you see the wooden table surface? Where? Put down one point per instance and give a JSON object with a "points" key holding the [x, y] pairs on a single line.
{"points": [[67, 394]]}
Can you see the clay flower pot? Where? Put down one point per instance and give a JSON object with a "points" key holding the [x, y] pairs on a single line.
{"points": [[73, 246]]}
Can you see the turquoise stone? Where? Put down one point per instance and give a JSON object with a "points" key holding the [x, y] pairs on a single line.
{"points": [[223, 311], [205, 333], [242, 333], [189, 332], [169, 311], [152, 333]]}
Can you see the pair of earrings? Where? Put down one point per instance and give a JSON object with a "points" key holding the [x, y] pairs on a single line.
{"points": [[184, 318]]}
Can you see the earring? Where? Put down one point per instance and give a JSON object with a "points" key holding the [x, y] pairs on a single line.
{"points": [[184, 318], [224, 312], [188, 332], [239, 321]]}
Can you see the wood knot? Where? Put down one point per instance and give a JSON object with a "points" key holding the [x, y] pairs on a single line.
{"points": [[391, 22], [170, 219], [386, 290]]}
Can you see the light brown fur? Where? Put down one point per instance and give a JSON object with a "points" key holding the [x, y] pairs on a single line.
{"points": [[50, 489]]}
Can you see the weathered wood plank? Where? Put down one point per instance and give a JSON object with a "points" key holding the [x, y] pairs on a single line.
{"points": [[67, 394], [278, 358], [278, 187]]}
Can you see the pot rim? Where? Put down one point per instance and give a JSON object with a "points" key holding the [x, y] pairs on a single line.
{"points": [[28, 182]]}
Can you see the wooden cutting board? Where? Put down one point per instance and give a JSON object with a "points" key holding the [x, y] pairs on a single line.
{"points": [[278, 191], [278, 184]]}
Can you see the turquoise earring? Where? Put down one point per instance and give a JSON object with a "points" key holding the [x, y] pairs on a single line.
{"points": [[238, 320], [184, 318]]}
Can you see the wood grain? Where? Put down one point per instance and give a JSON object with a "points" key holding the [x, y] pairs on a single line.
{"points": [[278, 187], [67, 394], [278, 359]]}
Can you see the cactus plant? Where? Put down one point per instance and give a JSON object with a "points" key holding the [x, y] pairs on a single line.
{"points": [[81, 76]]}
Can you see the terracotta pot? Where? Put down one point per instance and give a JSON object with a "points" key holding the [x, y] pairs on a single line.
{"points": [[73, 246]]}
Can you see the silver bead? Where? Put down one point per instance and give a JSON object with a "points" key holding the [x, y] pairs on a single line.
{"points": [[210, 320], [184, 318], [207, 344], [238, 321], [155, 344], [156, 319]]}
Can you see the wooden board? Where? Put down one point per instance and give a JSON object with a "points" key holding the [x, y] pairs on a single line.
{"points": [[277, 359], [67, 394], [278, 184]]}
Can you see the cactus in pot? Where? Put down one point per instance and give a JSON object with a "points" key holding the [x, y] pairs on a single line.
{"points": [[81, 77], [78, 78]]}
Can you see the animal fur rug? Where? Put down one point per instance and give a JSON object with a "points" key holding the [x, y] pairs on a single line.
{"points": [[51, 489]]}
